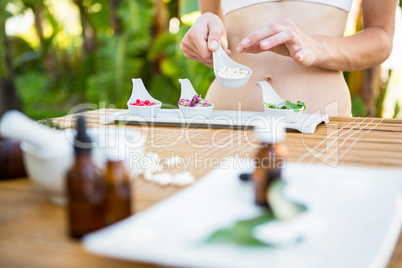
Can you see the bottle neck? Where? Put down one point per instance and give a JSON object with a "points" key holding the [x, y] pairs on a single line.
{"points": [[112, 164], [269, 145], [83, 157], [272, 150]]}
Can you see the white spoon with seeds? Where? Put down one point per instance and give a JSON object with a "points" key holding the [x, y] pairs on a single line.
{"points": [[229, 73]]}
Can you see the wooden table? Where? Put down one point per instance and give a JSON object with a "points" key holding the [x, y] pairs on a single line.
{"points": [[33, 231]]}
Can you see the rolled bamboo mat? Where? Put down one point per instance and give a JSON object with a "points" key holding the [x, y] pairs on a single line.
{"points": [[343, 141]]}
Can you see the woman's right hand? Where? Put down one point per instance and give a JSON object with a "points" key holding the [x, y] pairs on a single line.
{"points": [[203, 37]]}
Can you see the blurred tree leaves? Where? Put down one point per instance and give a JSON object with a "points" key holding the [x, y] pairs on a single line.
{"points": [[3, 15], [126, 38], [118, 42], [188, 6]]}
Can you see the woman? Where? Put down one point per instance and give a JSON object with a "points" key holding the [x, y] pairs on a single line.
{"points": [[297, 46]]}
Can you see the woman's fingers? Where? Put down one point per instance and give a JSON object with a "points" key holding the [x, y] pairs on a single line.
{"points": [[275, 43], [303, 57], [202, 38], [256, 37], [281, 37], [193, 54], [198, 37], [214, 36], [277, 39]]}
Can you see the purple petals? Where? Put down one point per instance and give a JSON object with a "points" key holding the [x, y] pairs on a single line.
{"points": [[196, 101]]}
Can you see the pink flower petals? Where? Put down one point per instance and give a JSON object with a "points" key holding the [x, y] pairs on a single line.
{"points": [[142, 103]]}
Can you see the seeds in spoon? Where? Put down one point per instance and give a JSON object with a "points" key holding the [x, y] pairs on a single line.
{"points": [[232, 72]]}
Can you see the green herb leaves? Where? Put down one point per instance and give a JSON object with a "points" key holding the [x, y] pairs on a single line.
{"points": [[287, 105], [241, 232]]}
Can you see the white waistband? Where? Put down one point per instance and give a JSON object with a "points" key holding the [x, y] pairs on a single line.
{"points": [[230, 5]]}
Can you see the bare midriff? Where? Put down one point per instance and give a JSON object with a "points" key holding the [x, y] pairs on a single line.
{"points": [[323, 91]]}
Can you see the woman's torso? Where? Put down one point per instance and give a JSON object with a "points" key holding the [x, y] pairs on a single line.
{"points": [[322, 90]]}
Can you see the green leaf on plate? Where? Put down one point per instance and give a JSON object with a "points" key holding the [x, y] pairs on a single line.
{"points": [[241, 232], [286, 105]]}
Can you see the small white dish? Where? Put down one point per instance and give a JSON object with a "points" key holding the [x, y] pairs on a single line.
{"points": [[193, 112], [220, 60], [289, 116], [269, 96], [141, 93], [188, 92]]}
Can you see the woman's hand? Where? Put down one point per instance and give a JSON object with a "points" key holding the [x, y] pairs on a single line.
{"points": [[284, 38], [203, 37]]}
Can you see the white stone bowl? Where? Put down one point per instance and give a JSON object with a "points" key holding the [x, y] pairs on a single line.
{"points": [[49, 171]]}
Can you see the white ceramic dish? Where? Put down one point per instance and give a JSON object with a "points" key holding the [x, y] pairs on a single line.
{"points": [[140, 92], [289, 116], [188, 92], [361, 209], [194, 112], [269, 96], [48, 171], [220, 60], [306, 124]]}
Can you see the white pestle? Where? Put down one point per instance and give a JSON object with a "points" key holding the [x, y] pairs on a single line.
{"points": [[221, 59], [187, 89], [15, 125], [268, 93]]}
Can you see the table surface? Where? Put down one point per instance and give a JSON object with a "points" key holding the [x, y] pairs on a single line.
{"points": [[33, 232]]}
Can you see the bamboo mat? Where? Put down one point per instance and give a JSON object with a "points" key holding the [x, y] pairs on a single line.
{"points": [[33, 232], [343, 141]]}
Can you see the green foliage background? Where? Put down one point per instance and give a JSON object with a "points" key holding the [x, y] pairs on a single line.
{"points": [[97, 65], [103, 77]]}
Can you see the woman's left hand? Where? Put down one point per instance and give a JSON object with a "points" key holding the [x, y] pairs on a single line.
{"points": [[284, 38]]}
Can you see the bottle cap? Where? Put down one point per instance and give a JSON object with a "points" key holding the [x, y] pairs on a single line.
{"points": [[82, 142], [271, 133]]}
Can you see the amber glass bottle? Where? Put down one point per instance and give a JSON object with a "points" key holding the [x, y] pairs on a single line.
{"points": [[118, 191], [11, 160], [86, 188], [269, 161]]}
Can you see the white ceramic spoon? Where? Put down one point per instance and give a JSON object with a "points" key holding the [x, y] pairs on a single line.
{"points": [[220, 60], [187, 89], [140, 92], [269, 96], [188, 92], [268, 93]]}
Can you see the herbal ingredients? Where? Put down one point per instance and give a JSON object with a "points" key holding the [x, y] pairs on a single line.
{"points": [[232, 73], [287, 105], [196, 101], [139, 102]]}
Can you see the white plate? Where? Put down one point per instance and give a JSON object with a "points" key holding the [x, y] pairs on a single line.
{"points": [[360, 206], [219, 119]]}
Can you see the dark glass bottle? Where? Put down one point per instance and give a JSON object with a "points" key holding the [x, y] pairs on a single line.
{"points": [[269, 162], [86, 188], [118, 192], [11, 160]]}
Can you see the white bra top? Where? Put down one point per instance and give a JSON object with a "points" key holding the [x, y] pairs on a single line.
{"points": [[230, 5]]}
